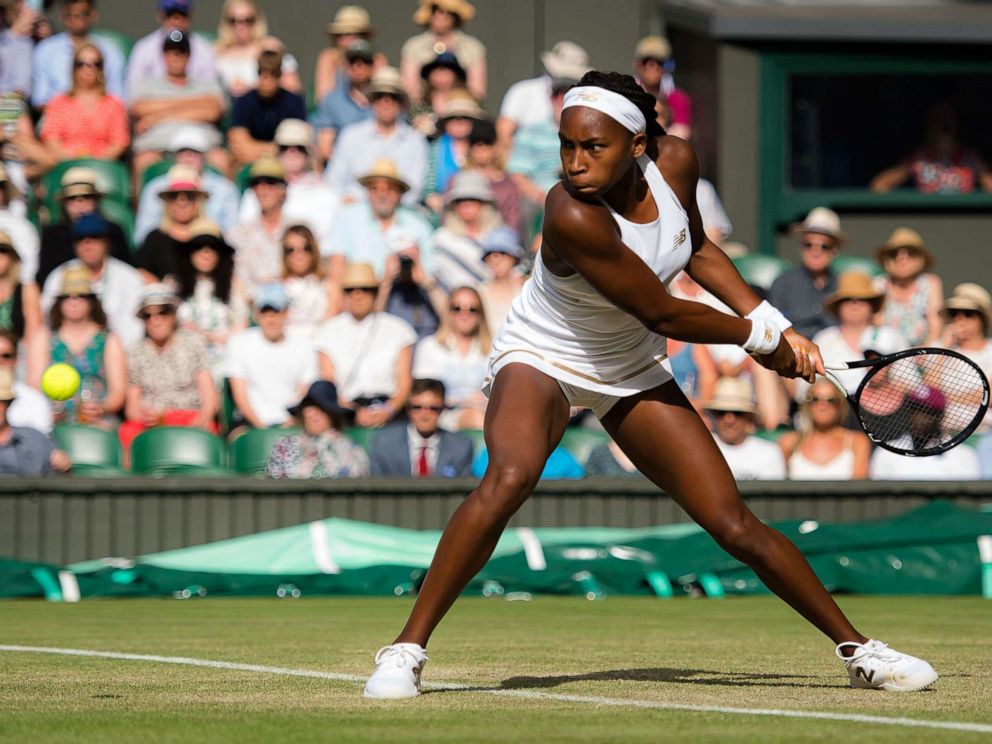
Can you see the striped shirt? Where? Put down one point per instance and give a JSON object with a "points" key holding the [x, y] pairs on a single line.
{"points": [[535, 154]]}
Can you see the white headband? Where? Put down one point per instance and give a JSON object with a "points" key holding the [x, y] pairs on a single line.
{"points": [[614, 105]]}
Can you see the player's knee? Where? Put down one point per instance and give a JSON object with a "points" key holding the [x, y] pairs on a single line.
{"points": [[506, 485], [743, 537]]}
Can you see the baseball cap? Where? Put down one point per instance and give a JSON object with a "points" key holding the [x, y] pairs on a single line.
{"points": [[92, 225], [176, 39], [502, 240], [190, 138], [271, 295], [175, 6]]}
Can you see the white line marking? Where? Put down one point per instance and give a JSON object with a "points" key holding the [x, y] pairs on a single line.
{"points": [[523, 694], [320, 543], [533, 550]]}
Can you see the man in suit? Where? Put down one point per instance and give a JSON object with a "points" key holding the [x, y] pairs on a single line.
{"points": [[421, 448]]}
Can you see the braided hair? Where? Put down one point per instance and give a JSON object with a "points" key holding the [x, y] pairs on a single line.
{"points": [[626, 86]]}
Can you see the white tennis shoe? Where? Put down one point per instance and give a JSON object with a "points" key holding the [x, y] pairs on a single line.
{"points": [[397, 672], [875, 666]]}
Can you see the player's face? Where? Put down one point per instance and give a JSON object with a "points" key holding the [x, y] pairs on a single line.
{"points": [[596, 151]]}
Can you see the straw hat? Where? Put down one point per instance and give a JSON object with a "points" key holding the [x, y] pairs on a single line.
{"points": [[854, 285], [970, 296], [266, 166], [76, 281], [80, 181], [732, 394], [8, 242], [157, 294], [182, 179], [460, 103], [350, 19], [293, 133], [384, 168], [821, 221], [359, 275], [566, 61], [460, 8], [12, 191], [6, 385], [904, 237], [653, 47], [387, 80]]}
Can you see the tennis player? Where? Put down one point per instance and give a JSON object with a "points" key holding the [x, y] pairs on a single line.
{"points": [[589, 329]]}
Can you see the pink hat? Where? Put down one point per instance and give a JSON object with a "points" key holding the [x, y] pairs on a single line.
{"points": [[928, 397]]}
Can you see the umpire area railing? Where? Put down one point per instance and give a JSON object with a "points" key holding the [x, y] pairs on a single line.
{"points": [[62, 520]]}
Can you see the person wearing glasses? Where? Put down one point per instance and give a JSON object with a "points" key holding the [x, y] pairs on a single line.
{"points": [[169, 382], [449, 151], [731, 411], [309, 200], [182, 198], [303, 278], [913, 293], [258, 113], [967, 314], [243, 34], [422, 448], [800, 292], [348, 101], [442, 21], [84, 122], [53, 59]]}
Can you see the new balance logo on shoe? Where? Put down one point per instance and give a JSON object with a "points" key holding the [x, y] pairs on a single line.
{"points": [[867, 676]]}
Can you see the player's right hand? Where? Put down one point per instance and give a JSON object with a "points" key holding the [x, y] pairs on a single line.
{"points": [[791, 361]]}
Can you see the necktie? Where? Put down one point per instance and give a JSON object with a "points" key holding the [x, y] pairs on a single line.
{"points": [[422, 469]]}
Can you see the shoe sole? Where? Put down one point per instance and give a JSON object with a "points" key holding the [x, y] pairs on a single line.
{"points": [[924, 684]]}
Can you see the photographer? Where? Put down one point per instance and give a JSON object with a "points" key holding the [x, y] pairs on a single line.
{"points": [[410, 293]]}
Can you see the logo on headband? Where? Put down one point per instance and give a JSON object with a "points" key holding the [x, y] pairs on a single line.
{"points": [[587, 96]]}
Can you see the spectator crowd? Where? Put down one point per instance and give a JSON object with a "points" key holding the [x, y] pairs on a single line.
{"points": [[211, 246]]}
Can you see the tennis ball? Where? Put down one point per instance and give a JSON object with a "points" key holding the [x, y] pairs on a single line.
{"points": [[60, 382]]}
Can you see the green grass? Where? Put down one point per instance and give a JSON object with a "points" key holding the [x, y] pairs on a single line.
{"points": [[751, 652]]}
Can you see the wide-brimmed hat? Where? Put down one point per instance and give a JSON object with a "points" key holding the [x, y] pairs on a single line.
{"points": [[8, 242], [821, 221], [182, 179], [460, 8], [653, 47], [566, 61], [854, 285], [503, 240], [444, 59], [190, 138], [205, 232], [79, 181], [8, 186], [359, 276], [904, 237], [324, 395], [76, 281], [732, 394], [469, 184], [970, 296], [387, 80], [293, 133], [460, 103], [350, 19], [266, 166], [157, 294], [384, 168]]}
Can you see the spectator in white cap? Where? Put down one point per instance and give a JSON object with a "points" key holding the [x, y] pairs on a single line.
{"points": [[732, 411], [385, 135], [528, 102], [502, 252], [469, 215], [269, 371], [442, 21], [800, 292], [653, 68], [189, 147], [309, 200], [350, 23]]}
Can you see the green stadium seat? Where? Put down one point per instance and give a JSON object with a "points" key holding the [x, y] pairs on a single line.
{"points": [[478, 440], [361, 436], [241, 179], [155, 170], [580, 441], [844, 263], [94, 452], [177, 450], [772, 435], [123, 42], [114, 180], [759, 269], [250, 451]]}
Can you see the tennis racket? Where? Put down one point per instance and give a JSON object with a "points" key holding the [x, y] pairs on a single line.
{"points": [[918, 402]]}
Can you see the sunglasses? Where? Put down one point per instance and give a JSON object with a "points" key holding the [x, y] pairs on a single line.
{"points": [[909, 252], [8, 355], [292, 148], [165, 311], [370, 290], [270, 309], [177, 195], [289, 250], [268, 181], [809, 245], [390, 96], [7, 250], [79, 63], [817, 399], [964, 313], [464, 309], [432, 409], [246, 20]]}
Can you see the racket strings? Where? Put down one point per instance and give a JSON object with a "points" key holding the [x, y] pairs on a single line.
{"points": [[921, 403]]}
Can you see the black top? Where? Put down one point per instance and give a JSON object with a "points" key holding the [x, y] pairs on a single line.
{"points": [[260, 116], [159, 254], [56, 248]]}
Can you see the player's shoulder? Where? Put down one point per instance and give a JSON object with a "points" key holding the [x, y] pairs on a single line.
{"points": [[564, 213], [676, 157]]}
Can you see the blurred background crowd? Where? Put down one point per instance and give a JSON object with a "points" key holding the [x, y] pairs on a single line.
{"points": [[321, 269]]}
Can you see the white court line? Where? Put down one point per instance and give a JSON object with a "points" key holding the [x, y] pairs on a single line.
{"points": [[524, 694]]}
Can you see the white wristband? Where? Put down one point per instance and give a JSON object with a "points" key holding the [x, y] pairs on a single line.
{"points": [[764, 338], [767, 311]]}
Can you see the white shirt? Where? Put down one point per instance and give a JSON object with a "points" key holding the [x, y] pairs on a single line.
{"points": [[30, 408], [274, 372], [983, 358], [462, 376], [417, 443], [360, 145], [26, 243], [835, 348], [309, 202], [528, 102], [960, 463], [364, 352], [119, 288], [711, 209], [753, 459]]}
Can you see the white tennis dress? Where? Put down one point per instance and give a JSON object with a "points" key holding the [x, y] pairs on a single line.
{"points": [[568, 330]]}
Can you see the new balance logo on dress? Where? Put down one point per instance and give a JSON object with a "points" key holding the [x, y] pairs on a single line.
{"points": [[680, 238]]}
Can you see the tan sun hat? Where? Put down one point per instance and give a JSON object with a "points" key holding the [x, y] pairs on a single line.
{"points": [[732, 394], [8, 242], [293, 133], [566, 61], [970, 296], [653, 47], [384, 168], [854, 285], [350, 19], [9, 186], [460, 103], [6, 384], [821, 221], [266, 166], [76, 281], [80, 181], [904, 237], [359, 275], [461, 8], [387, 80]]}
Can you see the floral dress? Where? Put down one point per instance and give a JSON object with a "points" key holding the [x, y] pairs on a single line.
{"points": [[329, 455]]}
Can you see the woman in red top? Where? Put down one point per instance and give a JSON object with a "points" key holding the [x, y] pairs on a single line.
{"points": [[84, 122]]}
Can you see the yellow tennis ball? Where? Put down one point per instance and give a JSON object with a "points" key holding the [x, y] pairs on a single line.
{"points": [[60, 382]]}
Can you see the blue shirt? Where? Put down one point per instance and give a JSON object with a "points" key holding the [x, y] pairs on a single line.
{"points": [[221, 207], [338, 109], [52, 67], [560, 465], [359, 236], [360, 145], [15, 63]]}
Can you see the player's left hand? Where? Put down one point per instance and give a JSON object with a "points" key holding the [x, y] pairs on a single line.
{"points": [[809, 361]]}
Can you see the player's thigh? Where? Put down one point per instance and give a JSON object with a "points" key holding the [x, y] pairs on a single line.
{"points": [[665, 438], [525, 419]]}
